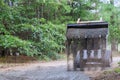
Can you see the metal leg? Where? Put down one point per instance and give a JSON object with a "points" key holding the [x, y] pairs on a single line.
{"points": [[103, 52], [81, 61], [75, 55], [77, 60], [74, 61], [68, 54]]}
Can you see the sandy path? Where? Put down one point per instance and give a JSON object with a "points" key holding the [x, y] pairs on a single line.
{"points": [[55, 70]]}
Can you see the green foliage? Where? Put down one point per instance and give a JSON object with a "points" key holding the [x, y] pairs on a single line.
{"points": [[117, 70], [11, 42], [119, 63], [3, 30], [114, 33], [8, 41], [45, 40], [51, 39], [110, 13]]}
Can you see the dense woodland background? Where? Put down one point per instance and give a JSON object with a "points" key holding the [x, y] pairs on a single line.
{"points": [[37, 27]]}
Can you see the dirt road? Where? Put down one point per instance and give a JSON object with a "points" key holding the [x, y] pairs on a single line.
{"points": [[55, 70]]}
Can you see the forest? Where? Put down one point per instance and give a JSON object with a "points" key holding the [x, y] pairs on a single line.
{"points": [[38, 27]]}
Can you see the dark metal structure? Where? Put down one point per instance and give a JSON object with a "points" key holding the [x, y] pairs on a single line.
{"points": [[86, 45]]}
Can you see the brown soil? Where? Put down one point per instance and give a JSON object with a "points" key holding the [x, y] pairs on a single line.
{"points": [[108, 76], [14, 61], [108, 73], [116, 54], [17, 59]]}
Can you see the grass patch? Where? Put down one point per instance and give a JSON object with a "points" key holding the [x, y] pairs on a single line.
{"points": [[117, 70], [61, 56]]}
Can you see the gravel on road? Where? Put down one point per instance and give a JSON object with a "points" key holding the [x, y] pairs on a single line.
{"points": [[55, 70]]}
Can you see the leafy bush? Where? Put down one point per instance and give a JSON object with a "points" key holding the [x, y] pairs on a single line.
{"points": [[117, 70], [51, 40], [11, 42], [45, 40], [8, 41], [29, 32], [3, 30]]}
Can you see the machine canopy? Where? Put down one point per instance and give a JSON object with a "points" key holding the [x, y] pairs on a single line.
{"points": [[87, 30]]}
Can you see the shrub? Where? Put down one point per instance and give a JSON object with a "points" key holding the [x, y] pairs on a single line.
{"points": [[117, 70], [22, 46], [45, 40]]}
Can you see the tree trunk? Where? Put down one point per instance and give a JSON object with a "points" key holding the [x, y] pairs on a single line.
{"points": [[38, 12], [114, 46], [42, 10], [114, 42], [3, 53]]}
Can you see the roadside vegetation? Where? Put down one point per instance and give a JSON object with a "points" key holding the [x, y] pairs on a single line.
{"points": [[109, 75]]}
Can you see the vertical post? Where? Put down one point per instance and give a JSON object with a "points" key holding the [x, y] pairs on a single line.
{"points": [[68, 53], [89, 44], [75, 56], [83, 46], [103, 51]]}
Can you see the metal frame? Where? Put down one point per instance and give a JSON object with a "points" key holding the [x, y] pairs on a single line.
{"points": [[87, 46]]}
